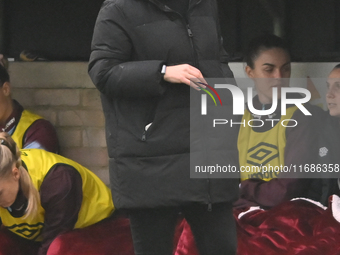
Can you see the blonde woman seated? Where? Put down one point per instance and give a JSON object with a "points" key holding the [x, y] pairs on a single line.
{"points": [[43, 194]]}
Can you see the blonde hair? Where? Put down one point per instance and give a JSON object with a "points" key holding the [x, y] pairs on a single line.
{"points": [[10, 155]]}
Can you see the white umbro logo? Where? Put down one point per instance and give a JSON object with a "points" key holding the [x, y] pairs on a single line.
{"points": [[323, 151]]}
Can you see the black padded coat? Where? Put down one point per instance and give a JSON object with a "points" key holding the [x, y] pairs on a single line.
{"points": [[131, 42]]}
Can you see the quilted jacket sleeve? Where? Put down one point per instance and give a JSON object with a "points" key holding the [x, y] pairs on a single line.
{"points": [[111, 65]]}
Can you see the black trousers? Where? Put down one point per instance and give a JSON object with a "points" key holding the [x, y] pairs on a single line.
{"points": [[214, 230]]}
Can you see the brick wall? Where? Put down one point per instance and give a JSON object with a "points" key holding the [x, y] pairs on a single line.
{"points": [[63, 93]]}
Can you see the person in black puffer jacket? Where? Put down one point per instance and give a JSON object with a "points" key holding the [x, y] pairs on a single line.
{"points": [[144, 53]]}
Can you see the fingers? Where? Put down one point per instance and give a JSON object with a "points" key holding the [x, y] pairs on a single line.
{"points": [[194, 85], [186, 74], [202, 83], [193, 71]]}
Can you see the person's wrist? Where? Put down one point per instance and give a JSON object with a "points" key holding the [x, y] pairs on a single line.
{"points": [[163, 71]]}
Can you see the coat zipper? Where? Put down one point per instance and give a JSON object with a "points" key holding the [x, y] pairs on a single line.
{"points": [[191, 35], [145, 130], [189, 32]]}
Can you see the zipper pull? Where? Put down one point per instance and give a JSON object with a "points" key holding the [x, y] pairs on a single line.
{"points": [[209, 207], [189, 31], [145, 129]]}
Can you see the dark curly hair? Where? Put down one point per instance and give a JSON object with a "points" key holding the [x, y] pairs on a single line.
{"points": [[262, 43]]}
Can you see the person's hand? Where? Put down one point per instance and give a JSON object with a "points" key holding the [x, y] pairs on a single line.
{"points": [[186, 74]]}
